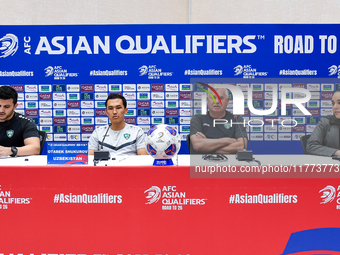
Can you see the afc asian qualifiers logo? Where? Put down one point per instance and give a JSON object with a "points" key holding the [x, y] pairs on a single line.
{"points": [[8, 45], [153, 195], [334, 70], [48, 71], [319, 241], [143, 70], [171, 198], [328, 194]]}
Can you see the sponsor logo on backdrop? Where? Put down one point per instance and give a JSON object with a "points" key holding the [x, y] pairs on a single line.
{"points": [[31, 88], [171, 87], [157, 87], [73, 121], [101, 121], [130, 96], [86, 88], [171, 112], [153, 72], [247, 71], [8, 45], [157, 112], [185, 112], [45, 113], [45, 96], [143, 104], [143, 120], [143, 87], [73, 129], [31, 96], [73, 104], [59, 96], [18, 88], [129, 87], [46, 121], [73, 137], [31, 113], [87, 104], [326, 95], [108, 72], [59, 121], [45, 88], [100, 112], [59, 73], [171, 198], [72, 88], [100, 87], [184, 95], [157, 95], [171, 95], [131, 120], [87, 112], [87, 129]]}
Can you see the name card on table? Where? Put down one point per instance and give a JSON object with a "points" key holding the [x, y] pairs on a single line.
{"points": [[67, 154]]}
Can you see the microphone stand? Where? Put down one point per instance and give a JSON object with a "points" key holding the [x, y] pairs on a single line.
{"points": [[102, 155]]}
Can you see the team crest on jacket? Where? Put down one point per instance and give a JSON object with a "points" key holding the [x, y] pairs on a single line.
{"points": [[10, 133], [126, 136], [227, 125]]}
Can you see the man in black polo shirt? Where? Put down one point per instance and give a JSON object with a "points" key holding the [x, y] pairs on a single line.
{"points": [[18, 134], [223, 138]]}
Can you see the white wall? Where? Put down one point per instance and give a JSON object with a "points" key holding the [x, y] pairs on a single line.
{"points": [[40, 12]]}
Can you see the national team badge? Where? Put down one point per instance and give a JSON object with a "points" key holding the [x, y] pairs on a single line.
{"points": [[227, 125], [10, 133], [126, 136]]}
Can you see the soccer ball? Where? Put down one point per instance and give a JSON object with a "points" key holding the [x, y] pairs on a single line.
{"points": [[162, 142]]}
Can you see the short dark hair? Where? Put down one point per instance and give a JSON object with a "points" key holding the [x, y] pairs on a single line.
{"points": [[7, 92], [114, 96]]}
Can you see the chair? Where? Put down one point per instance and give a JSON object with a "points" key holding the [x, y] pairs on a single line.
{"points": [[42, 136], [303, 140], [191, 149]]}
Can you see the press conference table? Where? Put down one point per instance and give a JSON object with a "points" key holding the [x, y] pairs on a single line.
{"points": [[183, 160], [127, 206]]}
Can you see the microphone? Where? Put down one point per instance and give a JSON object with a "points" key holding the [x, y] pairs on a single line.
{"points": [[107, 130], [102, 155], [243, 155]]}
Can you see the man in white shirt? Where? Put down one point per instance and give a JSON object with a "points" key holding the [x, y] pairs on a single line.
{"points": [[119, 138]]}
